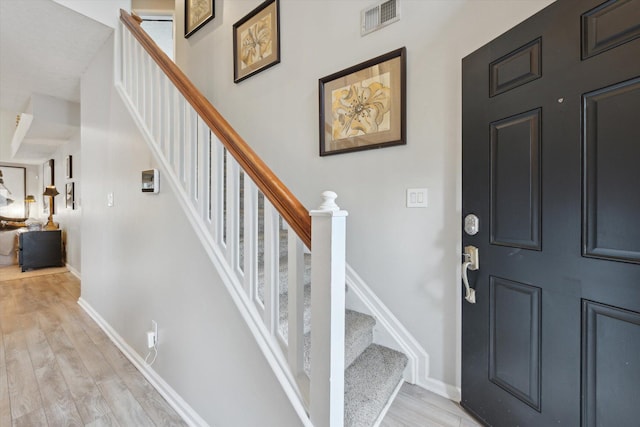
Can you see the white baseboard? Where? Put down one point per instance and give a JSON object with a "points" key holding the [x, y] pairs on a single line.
{"points": [[73, 271], [188, 414], [441, 388]]}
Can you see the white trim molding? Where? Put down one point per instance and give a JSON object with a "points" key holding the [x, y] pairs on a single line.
{"points": [[73, 271]]}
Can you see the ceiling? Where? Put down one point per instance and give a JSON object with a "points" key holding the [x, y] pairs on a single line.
{"points": [[44, 49]]}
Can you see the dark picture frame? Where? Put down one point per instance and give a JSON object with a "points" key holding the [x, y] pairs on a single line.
{"points": [[364, 106], [69, 166], [256, 41], [69, 194], [196, 14], [48, 178]]}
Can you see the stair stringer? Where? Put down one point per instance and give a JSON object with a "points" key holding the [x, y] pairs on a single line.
{"points": [[270, 349], [390, 332]]}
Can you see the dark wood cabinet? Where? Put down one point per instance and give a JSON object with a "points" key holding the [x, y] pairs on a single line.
{"points": [[40, 249]]}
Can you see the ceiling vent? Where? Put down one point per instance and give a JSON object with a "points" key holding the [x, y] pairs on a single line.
{"points": [[380, 15]]}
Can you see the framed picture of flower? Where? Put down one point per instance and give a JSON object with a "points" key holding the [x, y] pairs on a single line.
{"points": [[363, 107], [196, 14], [48, 175], [69, 166], [70, 199], [256, 41]]}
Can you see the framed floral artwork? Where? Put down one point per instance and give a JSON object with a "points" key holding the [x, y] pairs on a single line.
{"points": [[256, 41], [69, 166], [48, 175], [70, 199], [363, 107], [196, 14]]}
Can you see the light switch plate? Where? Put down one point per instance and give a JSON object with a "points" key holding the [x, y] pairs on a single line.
{"points": [[110, 199], [417, 198]]}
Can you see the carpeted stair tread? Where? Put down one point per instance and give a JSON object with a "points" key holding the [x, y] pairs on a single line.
{"points": [[369, 383], [358, 335]]}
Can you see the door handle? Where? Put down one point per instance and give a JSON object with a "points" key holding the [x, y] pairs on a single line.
{"points": [[471, 262]]}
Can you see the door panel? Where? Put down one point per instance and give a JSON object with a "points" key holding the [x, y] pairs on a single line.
{"points": [[609, 25], [551, 146], [611, 175], [611, 368], [514, 337], [515, 181], [516, 68]]}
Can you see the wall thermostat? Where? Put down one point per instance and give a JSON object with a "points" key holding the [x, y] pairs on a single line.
{"points": [[150, 181]]}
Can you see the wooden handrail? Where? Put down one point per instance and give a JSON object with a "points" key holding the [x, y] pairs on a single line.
{"points": [[274, 190]]}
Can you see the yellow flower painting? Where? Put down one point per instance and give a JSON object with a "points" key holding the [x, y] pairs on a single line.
{"points": [[256, 42], [199, 10], [197, 13], [362, 108]]}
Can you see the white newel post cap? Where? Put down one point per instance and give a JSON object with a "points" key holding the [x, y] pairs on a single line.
{"points": [[328, 205], [329, 201]]}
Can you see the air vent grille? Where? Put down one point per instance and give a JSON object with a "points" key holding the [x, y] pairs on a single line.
{"points": [[380, 15], [387, 11]]}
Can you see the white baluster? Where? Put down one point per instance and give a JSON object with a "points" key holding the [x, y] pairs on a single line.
{"points": [[233, 185], [250, 267], [204, 157], [178, 142], [271, 267], [217, 191], [296, 312]]}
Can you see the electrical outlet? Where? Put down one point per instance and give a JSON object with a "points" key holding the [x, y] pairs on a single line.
{"points": [[151, 339], [152, 335], [154, 328]]}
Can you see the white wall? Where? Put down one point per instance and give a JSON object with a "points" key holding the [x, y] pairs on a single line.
{"points": [[69, 219], [7, 128], [142, 261], [409, 257]]}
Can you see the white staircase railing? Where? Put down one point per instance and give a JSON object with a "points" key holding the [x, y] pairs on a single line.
{"points": [[233, 210]]}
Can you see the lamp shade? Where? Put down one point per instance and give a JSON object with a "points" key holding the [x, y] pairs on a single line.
{"points": [[50, 191], [30, 198]]}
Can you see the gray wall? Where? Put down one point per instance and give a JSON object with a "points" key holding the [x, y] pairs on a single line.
{"points": [[68, 218], [142, 261], [409, 257]]}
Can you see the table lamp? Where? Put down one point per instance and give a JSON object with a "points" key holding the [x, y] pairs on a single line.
{"points": [[51, 192]]}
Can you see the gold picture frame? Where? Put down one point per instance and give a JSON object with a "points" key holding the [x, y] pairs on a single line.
{"points": [[196, 14], [364, 106], [256, 41]]}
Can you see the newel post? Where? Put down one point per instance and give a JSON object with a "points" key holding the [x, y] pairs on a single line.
{"points": [[328, 232]]}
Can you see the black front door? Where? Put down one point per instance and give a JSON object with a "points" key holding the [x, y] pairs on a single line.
{"points": [[551, 167]]}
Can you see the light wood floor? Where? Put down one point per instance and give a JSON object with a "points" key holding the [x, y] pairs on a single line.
{"points": [[57, 368], [417, 407]]}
